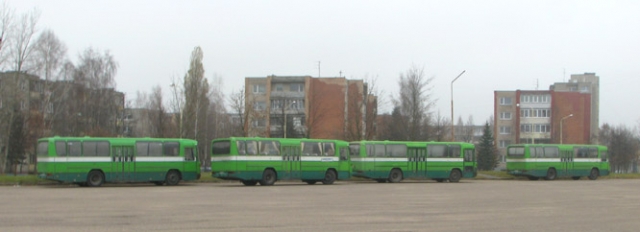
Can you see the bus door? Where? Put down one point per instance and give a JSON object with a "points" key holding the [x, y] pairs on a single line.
{"points": [[566, 159], [417, 162], [469, 163], [291, 162], [191, 159], [123, 166]]}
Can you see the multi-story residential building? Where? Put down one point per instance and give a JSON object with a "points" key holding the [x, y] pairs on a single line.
{"points": [[303, 106], [567, 113]]}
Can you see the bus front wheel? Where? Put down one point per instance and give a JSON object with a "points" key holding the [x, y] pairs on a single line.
{"points": [[551, 174], [395, 176], [173, 178], [594, 174], [455, 175], [329, 177], [95, 179], [268, 177]]}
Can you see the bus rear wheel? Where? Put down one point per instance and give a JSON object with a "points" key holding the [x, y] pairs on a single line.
{"points": [[249, 182], [551, 174], [593, 175], [268, 177], [455, 176], [173, 178], [395, 176], [95, 179], [329, 177]]}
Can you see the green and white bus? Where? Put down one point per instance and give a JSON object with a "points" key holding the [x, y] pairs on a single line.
{"points": [[92, 161], [394, 161], [550, 161], [266, 160]]}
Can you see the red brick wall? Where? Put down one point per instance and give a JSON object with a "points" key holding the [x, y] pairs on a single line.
{"points": [[576, 129], [326, 108]]}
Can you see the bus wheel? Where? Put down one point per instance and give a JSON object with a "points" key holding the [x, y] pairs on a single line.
{"points": [[173, 178], [395, 176], [311, 181], [455, 176], [381, 180], [329, 177], [575, 177], [95, 178], [594, 174], [551, 174], [533, 177], [268, 177], [249, 182]]}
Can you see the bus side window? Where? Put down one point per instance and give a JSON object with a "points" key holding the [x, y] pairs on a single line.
{"points": [[241, 148], [61, 148], [252, 148], [329, 149], [171, 149], [75, 148]]}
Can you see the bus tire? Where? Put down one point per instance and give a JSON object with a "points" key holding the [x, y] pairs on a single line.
{"points": [[329, 177], [575, 177], [455, 176], [533, 177], [551, 174], [311, 182], [395, 176], [249, 182], [268, 177], [95, 178], [173, 178], [593, 175]]}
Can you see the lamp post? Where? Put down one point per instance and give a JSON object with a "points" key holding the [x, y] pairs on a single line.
{"points": [[453, 138], [285, 117], [561, 120]]}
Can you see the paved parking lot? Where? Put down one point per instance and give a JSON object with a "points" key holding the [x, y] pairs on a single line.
{"points": [[472, 205]]}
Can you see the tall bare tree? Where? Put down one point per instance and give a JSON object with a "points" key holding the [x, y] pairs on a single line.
{"points": [[415, 102], [196, 92], [623, 146], [440, 128], [237, 104]]}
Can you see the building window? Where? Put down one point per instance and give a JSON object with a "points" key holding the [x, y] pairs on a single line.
{"points": [[505, 130], [542, 128], [259, 105], [296, 87], [525, 113], [260, 122], [259, 89], [278, 88], [504, 143], [505, 101], [276, 104], [541, 98], [505, 115], [525, 128]]}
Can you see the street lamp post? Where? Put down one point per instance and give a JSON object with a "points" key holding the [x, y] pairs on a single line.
{"points": [[561, 120], [453, 138]]}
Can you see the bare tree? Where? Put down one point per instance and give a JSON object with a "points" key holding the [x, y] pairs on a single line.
{"points": [[623, 147], [467, 130], [237, 101], [6, 20], [440, 128], [414, 101], [19, 38]]}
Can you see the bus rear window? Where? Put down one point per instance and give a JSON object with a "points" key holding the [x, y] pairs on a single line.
{"points": [[221, 148], [515, 151], [43, 149]]}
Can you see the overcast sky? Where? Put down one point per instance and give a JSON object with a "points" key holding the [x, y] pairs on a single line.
{"points": [[502, 45]]}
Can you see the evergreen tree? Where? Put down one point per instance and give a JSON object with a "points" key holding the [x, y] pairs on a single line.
{"points": [[487, 159]]}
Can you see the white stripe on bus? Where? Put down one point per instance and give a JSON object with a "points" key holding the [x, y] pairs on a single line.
{"points": [[406, 159], [541, 160], [74, 159], [272, 158], [159, 159]]}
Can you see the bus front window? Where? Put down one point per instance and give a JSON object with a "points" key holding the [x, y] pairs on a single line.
{"points": [[221, 148]]}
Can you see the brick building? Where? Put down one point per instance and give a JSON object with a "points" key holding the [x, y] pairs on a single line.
{"points": [[566, 113], [303, 106]]}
